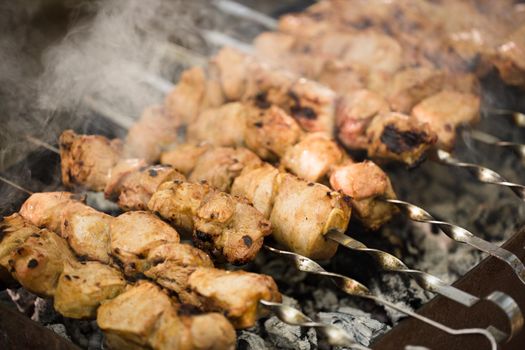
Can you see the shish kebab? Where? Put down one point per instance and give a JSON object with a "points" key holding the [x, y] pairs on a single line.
{"points": [[44, 264], [167, 203], [111, 316]]}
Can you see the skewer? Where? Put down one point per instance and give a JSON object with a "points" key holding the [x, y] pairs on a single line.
{"points": [[238, 10], [431, 283], [335, 336], [462, 235], [354, 288], [518, 118], [488, 139]]}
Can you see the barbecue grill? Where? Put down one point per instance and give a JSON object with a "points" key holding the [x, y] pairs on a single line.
{"points": [[433, 186]]}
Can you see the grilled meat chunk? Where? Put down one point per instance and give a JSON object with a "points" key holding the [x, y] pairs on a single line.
{"points": [[145, 317], [510, 58], [118, 173], [83, 287], [184, 157], [137, 187], [313, 157], [149, 136], [364, 182], [134, 234], [445, 111], [400, 137], [223, 225], [220, 126], [303, 212], [219, 166], [87, 159], [213, 286]]}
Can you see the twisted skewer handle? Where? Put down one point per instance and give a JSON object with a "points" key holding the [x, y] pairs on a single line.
{"points": [[389, 262], [462, 235], [335, 335], [488, 139], [354, 288], [518, 118], [482, 173]]}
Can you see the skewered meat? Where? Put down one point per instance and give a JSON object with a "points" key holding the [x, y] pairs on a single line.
{"points": [[134, 234], [313, 157], [148, 137], [87, 160], [183, 157], [82, 287], [223, 225], [364, 182], [221, 165], [123, 168], [303, 212], [445, 111], [510, 58], [398, 136], [214, 287], [145, 317]]}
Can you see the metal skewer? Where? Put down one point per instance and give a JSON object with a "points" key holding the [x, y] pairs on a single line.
{"points": [[354, 288], [488, 139], [518, 118], [238, 10], [388, 262]]}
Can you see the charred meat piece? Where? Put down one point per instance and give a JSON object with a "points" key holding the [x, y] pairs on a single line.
{"points": [[87, 159], [313, 157], [145, 317], [214, 287], [219, 166], [134, 234], [138, 186], [223, 225], [303, 212], [400, 137], [364, 182], [445, 111], [148, 137], [82, 288]]}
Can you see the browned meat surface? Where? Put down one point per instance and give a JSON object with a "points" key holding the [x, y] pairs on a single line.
{"points": [[240, 305], [364, 183], [184, 157], [219, 166], [400, 137], [303, 212], [137, 187], [223, 225], [134, 234], [83, 287], [313, 157], [144, 317], [123, 168], [220, 126], [149, 136], [355, 111], [270, 131], [445, 111], [87, 160], [193, 93], [510, 58], [259, 186]]}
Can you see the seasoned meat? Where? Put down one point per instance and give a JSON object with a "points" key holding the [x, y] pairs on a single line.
{"points": [[137, 187], [259, 186], [134, 234], [355, 111], [184, 157], [179, 254], [145, 317], [223, 225], [193, 93], [303, 212], [149, 136], [400, 137], [87, 231], [510, 58], [364, 182], [232, 69], [241, 306], [270, 131], [118, 173], [82, 288], [220, 126], [219, 166], [86, 160], [445, 111], [313, 157]]}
